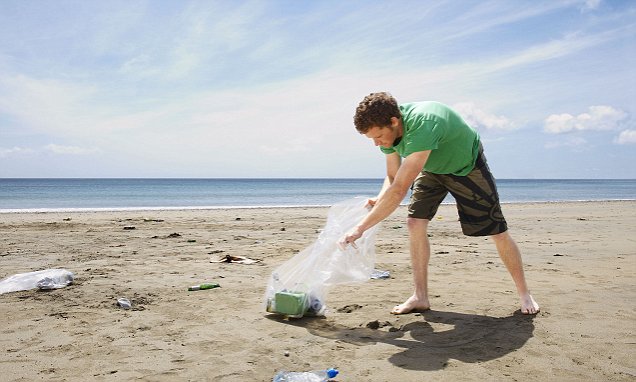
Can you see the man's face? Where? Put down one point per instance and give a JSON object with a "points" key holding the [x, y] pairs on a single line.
{"points": [[382, 136]]}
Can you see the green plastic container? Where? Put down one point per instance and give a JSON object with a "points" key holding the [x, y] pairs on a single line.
{"points": [[291, 304]]}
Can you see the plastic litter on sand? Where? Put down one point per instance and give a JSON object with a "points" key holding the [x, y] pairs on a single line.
{"points": [[204, 286], [378, 274], [299, 286], [45, 280], [124, 303], [305, 376]]}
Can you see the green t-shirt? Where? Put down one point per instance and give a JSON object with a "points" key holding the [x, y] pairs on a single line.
{"points": [[435, 126]]}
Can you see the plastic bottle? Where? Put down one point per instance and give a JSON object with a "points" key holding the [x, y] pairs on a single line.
{"points": [[124, 303], [46, 279], [204, 286], [55, 278], [305, 376]]}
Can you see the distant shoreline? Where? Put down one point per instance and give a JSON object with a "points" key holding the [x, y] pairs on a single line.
{"points": [[83, 195], [206, 208]]}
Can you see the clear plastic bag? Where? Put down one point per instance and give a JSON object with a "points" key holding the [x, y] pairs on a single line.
{"points": [[298, 287], [46, 279]]}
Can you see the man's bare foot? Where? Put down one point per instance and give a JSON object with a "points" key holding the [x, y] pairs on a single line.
{"points": [[412, 305], [528, 305]]}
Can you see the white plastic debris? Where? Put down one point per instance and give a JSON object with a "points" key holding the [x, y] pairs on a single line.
{"points": [[46, 279]]}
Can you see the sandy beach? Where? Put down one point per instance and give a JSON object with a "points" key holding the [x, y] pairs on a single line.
{"points": [[579, 259]]}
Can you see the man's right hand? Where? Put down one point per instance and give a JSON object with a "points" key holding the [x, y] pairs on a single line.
{"points": [[350, 238]]}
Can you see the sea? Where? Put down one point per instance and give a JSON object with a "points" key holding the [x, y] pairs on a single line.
{"points": [[110, 194]]}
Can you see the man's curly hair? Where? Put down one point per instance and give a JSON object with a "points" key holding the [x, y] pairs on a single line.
{"points": [[376, 109]]}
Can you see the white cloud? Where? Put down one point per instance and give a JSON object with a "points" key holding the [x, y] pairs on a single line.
{"points": [[489, 15], [482, 119], [45, 104], [570, 142], [599, 118], [569, 44], [54, 148], [200, 40], [70, 150], [626, 137], [296, 145], [4, 152], [255, 88], [140, 66], [590, 5]]}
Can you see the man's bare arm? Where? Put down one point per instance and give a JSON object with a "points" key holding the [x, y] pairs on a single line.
{"points": [[390, 199], [393, 162]]}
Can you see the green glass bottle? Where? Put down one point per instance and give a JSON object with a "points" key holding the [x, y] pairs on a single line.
{"points": [[204, 286]]}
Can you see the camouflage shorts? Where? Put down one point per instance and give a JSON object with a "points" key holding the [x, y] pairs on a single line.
{"points": [[475, 194]]}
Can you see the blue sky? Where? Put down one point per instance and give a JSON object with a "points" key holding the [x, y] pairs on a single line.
{"points": [[268, 88]]}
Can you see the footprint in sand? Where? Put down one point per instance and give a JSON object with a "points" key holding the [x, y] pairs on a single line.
{"points": [[349, 308]]}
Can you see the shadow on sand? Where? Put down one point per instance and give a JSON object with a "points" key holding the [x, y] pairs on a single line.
{"points": [[465, 337]]}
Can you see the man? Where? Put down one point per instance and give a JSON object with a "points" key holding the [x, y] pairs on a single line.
{"points": [[441, 154]]}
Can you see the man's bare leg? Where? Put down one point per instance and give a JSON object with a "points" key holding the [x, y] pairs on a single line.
{"points": [[420, 249], [511, 257]]}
